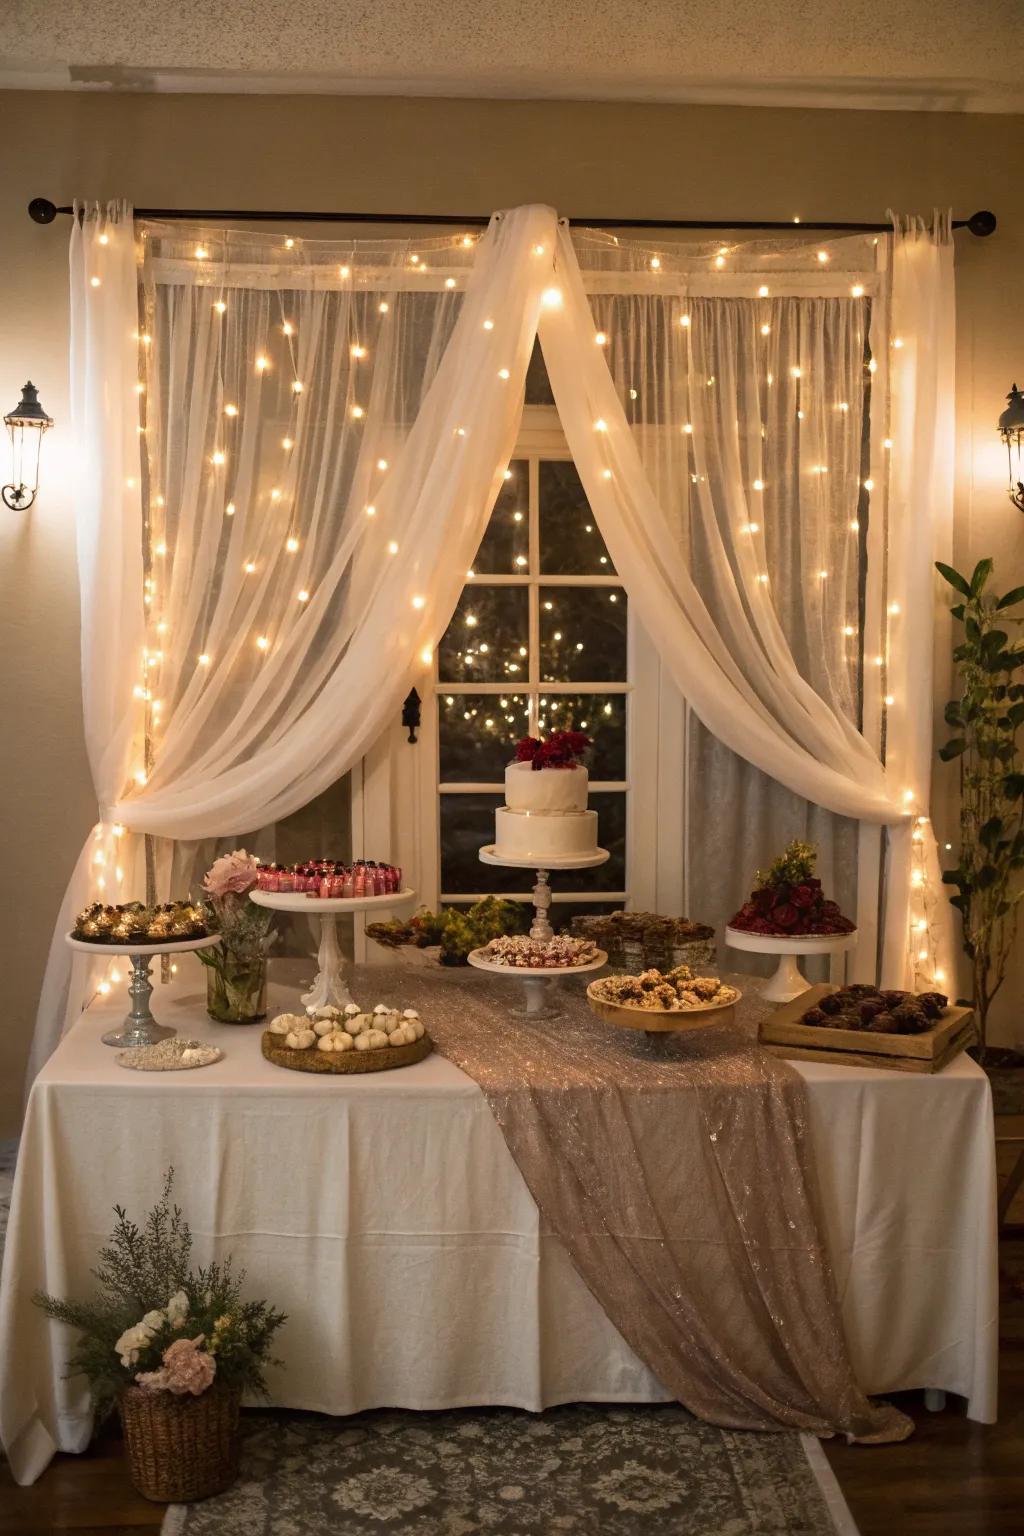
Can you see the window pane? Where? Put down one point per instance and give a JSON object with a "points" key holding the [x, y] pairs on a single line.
{"points": [[610, 806], [570, 544], [478, 734], [467, 825], [602, 716], [582, 634], [487, 638], [507, 539]]}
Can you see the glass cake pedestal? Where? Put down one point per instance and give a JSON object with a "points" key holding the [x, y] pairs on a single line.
{"points": [[787, 980], [331, 986], [140, 1027]]}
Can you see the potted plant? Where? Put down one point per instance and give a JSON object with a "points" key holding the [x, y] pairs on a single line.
{"points": [[173, 1349], [236, 968], [985, 720]]}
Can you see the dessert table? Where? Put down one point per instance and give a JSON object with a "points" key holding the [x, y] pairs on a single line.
{"points": [[386, 1216]]}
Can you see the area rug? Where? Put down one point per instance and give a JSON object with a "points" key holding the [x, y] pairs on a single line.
{"points": [[578, 1470]]}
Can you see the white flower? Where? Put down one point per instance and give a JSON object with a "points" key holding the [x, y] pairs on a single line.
{"points": [[133, 1341], [177, 1309]]}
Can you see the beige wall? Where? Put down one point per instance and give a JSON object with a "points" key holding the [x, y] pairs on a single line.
{"points": [[426, 155]]}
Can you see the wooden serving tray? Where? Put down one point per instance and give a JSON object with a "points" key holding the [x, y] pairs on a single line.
{"points": [[783, 1035], [383, 1059], [661, 1020]]}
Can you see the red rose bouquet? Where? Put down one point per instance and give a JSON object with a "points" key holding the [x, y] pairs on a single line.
{"points": [[562, 749], [787, 900]]}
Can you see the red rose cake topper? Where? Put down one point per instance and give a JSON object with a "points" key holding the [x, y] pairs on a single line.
{"points": [[788, 901], [562, 749]]}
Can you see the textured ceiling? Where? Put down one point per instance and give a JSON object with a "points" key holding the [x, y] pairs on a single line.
{"points": [[951, 55]]}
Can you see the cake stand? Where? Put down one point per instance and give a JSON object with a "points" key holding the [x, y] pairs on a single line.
{"points": [[538, 981], [330, 986], [541, 929], [788, 981], [140, 1027]]}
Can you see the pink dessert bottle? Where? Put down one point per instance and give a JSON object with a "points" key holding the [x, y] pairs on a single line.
{"points": [[348, 888]]}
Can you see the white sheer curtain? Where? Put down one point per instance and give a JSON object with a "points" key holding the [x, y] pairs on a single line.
{"points": [[290, 455], [698, 560], [324, 430]]}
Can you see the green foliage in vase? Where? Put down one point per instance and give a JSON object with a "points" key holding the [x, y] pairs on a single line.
{"points": [[985, 721], [794, 866], [456, 932], [150, 1297]]}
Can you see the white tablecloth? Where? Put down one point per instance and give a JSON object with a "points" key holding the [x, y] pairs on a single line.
{"points": [[385, 1214]]}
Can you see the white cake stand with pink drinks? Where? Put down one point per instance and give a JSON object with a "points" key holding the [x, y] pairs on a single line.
{"points": [[787, 980], [331, 984]]}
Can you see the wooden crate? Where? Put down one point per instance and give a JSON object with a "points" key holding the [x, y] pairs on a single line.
{"points": [[783, 1035]]}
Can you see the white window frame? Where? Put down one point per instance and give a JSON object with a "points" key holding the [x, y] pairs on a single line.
{"points": [[541, 437]]}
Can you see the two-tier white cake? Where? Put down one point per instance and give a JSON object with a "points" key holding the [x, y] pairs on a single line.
{"points": [[545, 814]]}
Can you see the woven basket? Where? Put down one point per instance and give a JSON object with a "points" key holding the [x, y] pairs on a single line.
{"points": [[181, 1448]]}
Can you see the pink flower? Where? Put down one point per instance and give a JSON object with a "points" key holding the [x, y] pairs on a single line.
{"points": [[187, 1368], [233, 872]]}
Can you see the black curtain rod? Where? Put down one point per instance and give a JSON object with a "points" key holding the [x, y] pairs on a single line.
{"points": [[44, 212]]}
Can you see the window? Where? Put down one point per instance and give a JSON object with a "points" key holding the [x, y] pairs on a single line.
{"points": [[541, 640]]}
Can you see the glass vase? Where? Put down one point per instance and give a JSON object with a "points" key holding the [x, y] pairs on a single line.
{"points": [[236, 987]]}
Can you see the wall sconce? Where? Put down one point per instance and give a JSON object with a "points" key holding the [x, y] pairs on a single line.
{"points": [[28, 417], [1011, 430]]}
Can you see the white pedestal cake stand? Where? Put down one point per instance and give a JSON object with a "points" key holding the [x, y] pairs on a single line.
{"points": [[330, 986], [788, 981], [541, 929], [140, 1027], [539, 991], [538, 981]]}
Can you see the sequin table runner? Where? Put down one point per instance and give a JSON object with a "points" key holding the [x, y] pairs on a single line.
{"points": [[677, 1174]]}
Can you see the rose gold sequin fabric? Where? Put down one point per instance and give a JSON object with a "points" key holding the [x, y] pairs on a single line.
{"points": [[677, 1172]]}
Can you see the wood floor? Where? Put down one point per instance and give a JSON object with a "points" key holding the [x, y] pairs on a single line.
{"points": [[953, 1478]]}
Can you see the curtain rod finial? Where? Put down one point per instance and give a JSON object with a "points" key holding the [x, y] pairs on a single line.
{"points": [[42, 211], [982, 223]]}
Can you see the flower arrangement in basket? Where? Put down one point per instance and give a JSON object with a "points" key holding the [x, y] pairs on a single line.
{"points": [[173, 1348], [236, 981], [561, 749]]}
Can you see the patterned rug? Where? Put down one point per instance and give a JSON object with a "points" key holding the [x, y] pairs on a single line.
{"points": [[578, 1470]]}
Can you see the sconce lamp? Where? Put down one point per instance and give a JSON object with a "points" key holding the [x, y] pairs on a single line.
{"points": [[1011, 430], [28, 417]]}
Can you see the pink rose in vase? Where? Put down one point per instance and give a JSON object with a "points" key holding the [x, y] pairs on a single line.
{"points": [[231, 874]]}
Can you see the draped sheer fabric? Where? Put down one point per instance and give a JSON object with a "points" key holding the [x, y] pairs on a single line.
{"points": [[773, 414], [291, 449], [221, 697]]}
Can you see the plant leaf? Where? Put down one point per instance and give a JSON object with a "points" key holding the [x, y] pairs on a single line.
{"points": [[1008, 599], [982, 572], [958, 582], [953, 749]]}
